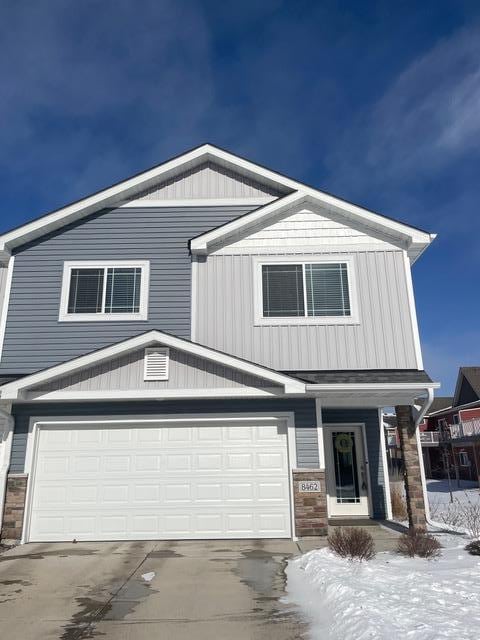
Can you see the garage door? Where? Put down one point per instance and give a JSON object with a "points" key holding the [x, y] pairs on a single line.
{"points": [[161, 482]]}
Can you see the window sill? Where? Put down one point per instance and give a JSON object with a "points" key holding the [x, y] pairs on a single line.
{"points": [[306, 322], [102, 317]]}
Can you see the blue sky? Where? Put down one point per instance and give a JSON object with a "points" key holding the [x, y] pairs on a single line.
{"points": [[377, 102]]}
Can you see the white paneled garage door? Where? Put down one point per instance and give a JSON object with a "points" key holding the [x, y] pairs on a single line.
{"points": [[161, 482]]}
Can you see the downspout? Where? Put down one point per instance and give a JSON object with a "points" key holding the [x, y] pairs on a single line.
{"points": [[420, 415], [6, 438]]}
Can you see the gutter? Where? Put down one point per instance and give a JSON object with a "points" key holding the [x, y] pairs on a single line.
{"points": [[6, 438], [375, 386]]}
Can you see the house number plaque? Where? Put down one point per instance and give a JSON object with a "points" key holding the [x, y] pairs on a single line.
{"points": [[309, 486]]}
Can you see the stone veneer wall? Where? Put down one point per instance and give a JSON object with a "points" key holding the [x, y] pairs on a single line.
{"points": [[412, 476], [14, 508], [310, 508]]}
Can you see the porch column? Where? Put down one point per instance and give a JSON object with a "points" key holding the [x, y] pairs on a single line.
{"points": [[412, 471]]}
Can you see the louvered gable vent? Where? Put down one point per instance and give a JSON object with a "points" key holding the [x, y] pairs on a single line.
{"points": [[156, 363]]}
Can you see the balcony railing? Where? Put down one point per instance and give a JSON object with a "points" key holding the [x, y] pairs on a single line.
{"points": [[430, 437], [465, 429]]}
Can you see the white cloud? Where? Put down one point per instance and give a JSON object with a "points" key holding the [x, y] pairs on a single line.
{"points": [[426, 119]]}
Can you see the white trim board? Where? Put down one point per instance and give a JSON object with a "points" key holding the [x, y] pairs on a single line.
{"points": [[412, 240], [118, 194], [240, 418], [151, 394], [261, 320], [386, 477], [6, 303], [69, 265], [15, 389]]}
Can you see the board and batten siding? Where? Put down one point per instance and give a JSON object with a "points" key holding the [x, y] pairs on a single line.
{"points": [[185, 371], [35, 339], [303, 409], [210, 180], [383, 338]]}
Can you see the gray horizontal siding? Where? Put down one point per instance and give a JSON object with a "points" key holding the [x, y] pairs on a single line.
{"points": [[374, 453], [34, 338], [304, 410], [209, 180], [127, 373], [383, 339]]}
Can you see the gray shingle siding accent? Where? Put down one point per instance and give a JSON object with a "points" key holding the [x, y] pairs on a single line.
{"points": [[361, 376], [34, 338], [304, 410], [375, 462]]}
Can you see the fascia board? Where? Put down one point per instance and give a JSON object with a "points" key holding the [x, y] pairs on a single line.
{"points": [[13, 390]]}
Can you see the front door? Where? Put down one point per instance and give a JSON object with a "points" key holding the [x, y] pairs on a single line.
{"points": [[347, 489]]}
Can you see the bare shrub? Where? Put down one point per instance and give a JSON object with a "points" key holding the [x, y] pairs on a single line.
{"points": [[460, 514], [399, 507], [473, 548], [417, 542], [354, 543]]}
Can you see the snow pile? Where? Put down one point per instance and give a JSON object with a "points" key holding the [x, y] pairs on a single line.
{"points": [[458, 512], [389, 597]]}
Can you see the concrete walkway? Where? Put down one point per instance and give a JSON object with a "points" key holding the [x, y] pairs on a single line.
{"points": [[200, 590]]}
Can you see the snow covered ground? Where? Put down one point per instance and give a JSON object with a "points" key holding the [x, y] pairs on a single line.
{"points": [[392, 596], [389, 597]]}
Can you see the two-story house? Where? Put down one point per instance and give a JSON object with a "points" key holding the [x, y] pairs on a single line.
{"points": [[450, 431], [203, 351]]}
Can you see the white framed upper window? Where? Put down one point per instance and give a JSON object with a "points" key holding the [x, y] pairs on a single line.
{"points": [[289, 290], [113, 290]]}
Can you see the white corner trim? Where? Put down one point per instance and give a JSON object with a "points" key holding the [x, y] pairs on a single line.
{"points": [[6, 439], [12, 390], [6, 303], [260, 320], [64, 316], [194, 298], [36, 423], [413, 311], [321, 442], [383, 450], [199, 202]]}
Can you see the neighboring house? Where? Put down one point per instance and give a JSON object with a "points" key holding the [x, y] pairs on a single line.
{"points": [[450, 431], [203, 351]]}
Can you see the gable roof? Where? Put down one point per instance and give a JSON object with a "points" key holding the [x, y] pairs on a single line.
{"points": [[15, 389], [416, 240], [467, 388], [440, 403]]}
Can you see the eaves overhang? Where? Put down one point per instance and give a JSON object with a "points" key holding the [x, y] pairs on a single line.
{"points": [[18, 389], [121, 192]]}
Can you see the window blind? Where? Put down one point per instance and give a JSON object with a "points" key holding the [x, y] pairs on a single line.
{"points": [[282, 290], [123, 290], [327, 289], [86, 291], [120, 285]]}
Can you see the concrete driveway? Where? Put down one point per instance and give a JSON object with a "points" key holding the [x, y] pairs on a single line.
{"points": [[200, 590]]}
